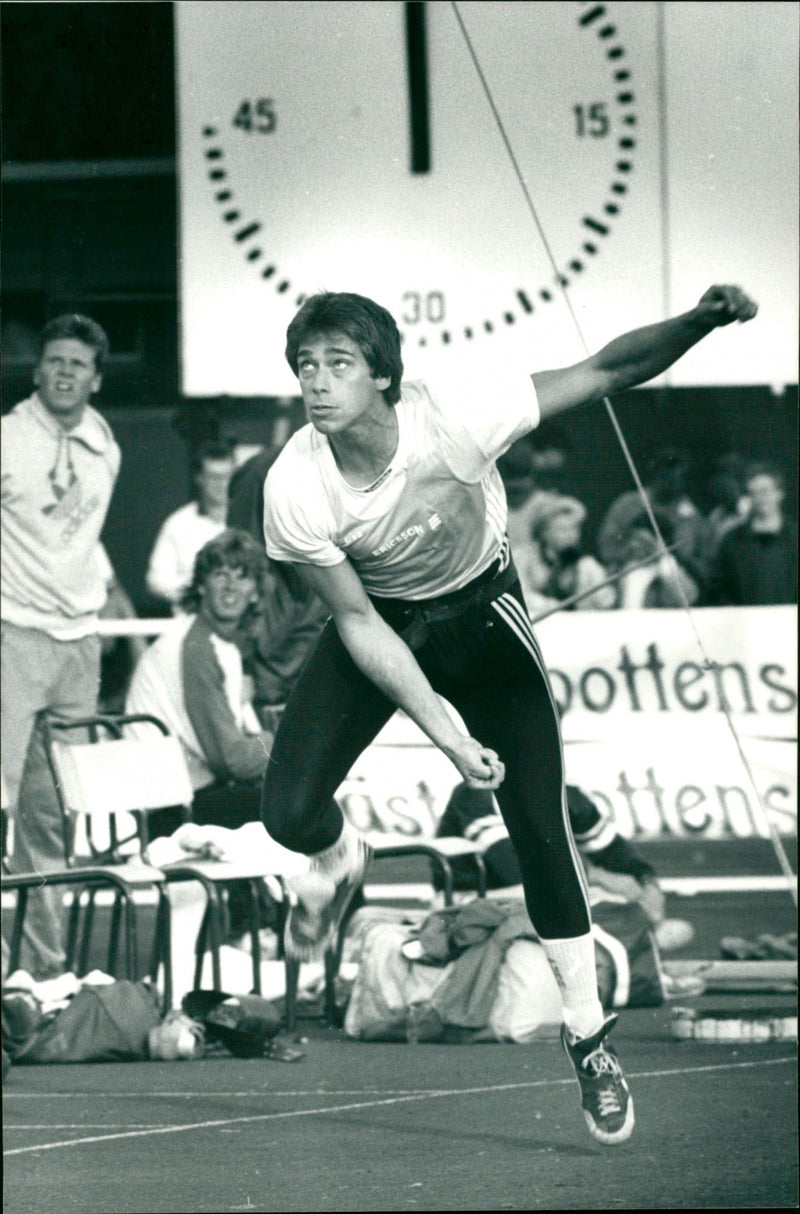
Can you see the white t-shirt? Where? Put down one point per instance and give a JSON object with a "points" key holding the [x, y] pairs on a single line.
{"points": [[157, 687], [436, 519], [178, 542]]}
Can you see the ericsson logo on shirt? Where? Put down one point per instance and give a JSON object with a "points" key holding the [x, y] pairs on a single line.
{"points": [[414, 531]]}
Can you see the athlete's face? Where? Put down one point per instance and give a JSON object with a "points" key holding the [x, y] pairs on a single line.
{"points": [[65, 378], [338, 388]]}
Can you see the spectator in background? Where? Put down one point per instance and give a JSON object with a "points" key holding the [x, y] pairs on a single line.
{"points": [[185, 531], [756, 564], [669, 498], [552, 566], [192, 679], [728, 503], [648, 577], [610, 861], [532, 472], [59, 467], [281, 635]]}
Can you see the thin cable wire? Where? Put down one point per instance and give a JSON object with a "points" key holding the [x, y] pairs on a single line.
{"points": [[663, 550], [564, 604]]}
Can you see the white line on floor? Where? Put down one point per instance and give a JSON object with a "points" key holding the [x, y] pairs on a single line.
{"points": [[100, 1125], [204, 1093], [434, 1094]]}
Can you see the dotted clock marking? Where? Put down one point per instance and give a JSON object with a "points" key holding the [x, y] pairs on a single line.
{"points": [[594, 19]]}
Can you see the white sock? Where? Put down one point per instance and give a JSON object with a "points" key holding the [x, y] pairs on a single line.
{"points": [[339, 859], [573, 964]]}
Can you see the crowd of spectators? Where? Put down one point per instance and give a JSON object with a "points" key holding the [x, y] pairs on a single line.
{"points": [[220, 676], [741, 550]]}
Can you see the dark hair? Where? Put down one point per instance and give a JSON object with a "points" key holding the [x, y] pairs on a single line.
{"points": [[365, 322], [211, 448], [78, 328], [232, 549]]}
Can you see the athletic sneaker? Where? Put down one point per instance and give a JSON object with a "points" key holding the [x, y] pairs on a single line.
{"points": [[312, 922], [606, 1100]]}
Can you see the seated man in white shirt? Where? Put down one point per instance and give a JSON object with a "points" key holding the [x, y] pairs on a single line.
{"points": [[184, 532]]}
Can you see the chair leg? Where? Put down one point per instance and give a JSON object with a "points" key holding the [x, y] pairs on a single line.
{"points": [[200, 948], [162, 947], [333, 961], [331, 970], [124, 914], [86, 935], [215, 923], [480, 864], [129, 918], [73, 930], [292, 969], [255, 928], [209, 938], [113, 937], [446, 874], [16, 933]]}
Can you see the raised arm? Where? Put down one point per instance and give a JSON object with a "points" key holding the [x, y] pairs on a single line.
{"points": [[386, 659], [638, 356]]}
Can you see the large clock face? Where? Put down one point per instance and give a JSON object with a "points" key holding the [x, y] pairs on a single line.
{"points": [[301, 167]]}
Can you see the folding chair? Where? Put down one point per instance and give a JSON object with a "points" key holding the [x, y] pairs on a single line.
{"points": [[387, 845], [439, 851], [77, 790], [137, 775]]}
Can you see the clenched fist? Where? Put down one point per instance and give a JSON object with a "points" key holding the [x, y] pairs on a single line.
{"points": [[721, 305]]}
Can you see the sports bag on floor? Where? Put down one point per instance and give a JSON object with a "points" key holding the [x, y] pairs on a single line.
{"points": [[106, 1023], [244, 1024]]}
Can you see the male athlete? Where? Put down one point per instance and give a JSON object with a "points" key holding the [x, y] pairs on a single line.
{"points": [[390, 504]]}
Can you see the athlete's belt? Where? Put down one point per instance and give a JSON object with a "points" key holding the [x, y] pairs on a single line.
{"points": [[409, 618], [482, 589]]}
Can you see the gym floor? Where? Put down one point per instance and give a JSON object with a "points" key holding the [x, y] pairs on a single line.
{"points": [[354, 1126]]}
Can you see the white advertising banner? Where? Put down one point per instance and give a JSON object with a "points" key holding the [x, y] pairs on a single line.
{"points": [[668, 745], [611, 667]]}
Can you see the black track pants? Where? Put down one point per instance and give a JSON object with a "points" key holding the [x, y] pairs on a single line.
{"points": [[487, 663]]}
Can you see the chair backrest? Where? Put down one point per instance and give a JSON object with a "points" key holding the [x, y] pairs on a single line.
{"points": [[123, 775], [6, 821]]}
